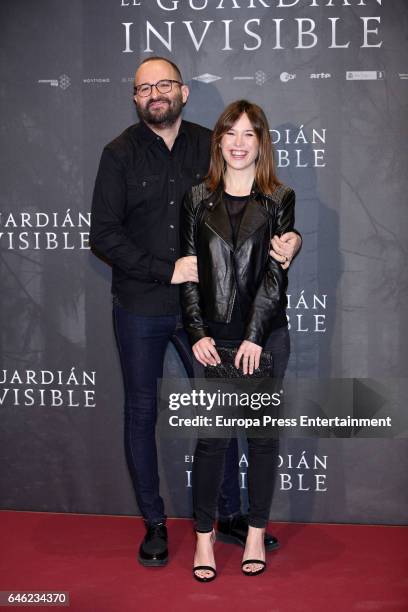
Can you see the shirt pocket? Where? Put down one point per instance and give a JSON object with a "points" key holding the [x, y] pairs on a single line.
{"points": [[141, 190]]}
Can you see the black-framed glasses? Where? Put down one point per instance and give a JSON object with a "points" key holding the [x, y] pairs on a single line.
{"points": [[163, 86]]}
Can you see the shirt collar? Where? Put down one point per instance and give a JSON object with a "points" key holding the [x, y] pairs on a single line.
{"points": [[148, 136]]}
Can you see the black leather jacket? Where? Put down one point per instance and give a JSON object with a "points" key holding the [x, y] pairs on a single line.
{"points": [[222, 270]]}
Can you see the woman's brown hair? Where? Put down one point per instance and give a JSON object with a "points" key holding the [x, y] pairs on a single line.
{"points": [[265, 176]]}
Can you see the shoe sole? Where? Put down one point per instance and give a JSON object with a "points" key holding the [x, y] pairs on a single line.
{"points": [[257, 573], [228, 539], [152, 562]]}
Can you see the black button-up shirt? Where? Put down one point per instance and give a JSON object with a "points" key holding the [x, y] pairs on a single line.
{"points": [[136, 209]]}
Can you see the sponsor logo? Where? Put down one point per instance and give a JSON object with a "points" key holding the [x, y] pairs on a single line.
{"points": [[98, 80], [259, 78], [63, 82], [207, 78], [286, 76], [321, 75], [364, 75]]}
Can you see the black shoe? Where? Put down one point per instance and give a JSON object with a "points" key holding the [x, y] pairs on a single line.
{"points": [[235, 530], [153, 550], [207, 568]]}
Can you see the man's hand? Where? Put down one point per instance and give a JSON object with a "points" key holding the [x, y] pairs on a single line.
{"points": [[285, 248], [251, 354], [205, 352], [185, 270]]}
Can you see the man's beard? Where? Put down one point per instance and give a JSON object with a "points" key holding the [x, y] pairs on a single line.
{"points": [[165, 117]]}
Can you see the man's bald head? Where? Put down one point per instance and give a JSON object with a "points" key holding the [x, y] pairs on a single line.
{"points": [[156, 58]]}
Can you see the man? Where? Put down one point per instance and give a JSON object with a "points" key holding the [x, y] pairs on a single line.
{"points": [[142, 177]]}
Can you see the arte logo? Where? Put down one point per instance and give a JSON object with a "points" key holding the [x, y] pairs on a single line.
{"points": [[306, 148], [47, 388], [63, 81], [49, 231], [321, 75], [304, 472], [307, 312]]}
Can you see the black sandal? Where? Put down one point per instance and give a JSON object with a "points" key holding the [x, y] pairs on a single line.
{"points": [[257, 572], [208, 568]]}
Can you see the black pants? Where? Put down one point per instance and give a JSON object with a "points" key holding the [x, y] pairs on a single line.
{"points": [[209, 459]]}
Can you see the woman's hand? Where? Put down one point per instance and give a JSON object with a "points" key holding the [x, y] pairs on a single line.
{"points": [[251, 355], [205, 352]]}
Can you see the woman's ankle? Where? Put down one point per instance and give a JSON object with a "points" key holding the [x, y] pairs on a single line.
{"points": [[256, 531], [205, 538]]}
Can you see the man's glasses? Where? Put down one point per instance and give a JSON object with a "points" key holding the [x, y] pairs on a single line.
{"points": [[164, 86]]}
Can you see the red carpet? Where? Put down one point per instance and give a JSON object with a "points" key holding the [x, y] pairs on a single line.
{"points": [[319, 568]]}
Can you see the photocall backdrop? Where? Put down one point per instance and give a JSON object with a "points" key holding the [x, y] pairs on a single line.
{"points": [[332, 77]]}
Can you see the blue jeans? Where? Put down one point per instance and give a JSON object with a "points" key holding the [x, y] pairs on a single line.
{"points": [[142, 343]]}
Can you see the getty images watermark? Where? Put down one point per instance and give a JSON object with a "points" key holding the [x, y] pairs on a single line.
{"points": [[267, 408]]}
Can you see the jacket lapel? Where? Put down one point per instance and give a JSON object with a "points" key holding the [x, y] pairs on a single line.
{"points": [[218, 219], [254, 217]]}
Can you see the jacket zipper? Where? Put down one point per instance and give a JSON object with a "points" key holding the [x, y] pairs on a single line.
{"points": [[231, 307], [229, 314], [217, 234]]}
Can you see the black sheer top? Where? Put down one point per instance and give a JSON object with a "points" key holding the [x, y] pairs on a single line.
{"points": [[235, 329]]}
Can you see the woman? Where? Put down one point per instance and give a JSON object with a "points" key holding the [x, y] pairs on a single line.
{"points": [[238, 302]]}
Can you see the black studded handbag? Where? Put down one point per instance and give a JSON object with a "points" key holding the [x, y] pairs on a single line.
{"points": [[227, 369]]}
